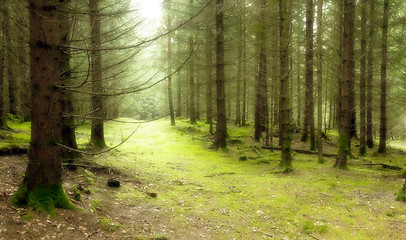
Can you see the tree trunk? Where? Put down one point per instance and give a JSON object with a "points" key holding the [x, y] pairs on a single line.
{"points": [[344, 139], [192, 89], [11, 68], [97, 129], [309, 102], [244, 91], [42, 184], [284, 106], [209, 80], [68, 122], [370, 65], [170, 98], [362, 148], [319, 81], [221, 127], [260, 86], [3, 123], [239, 64], [382, 127], [179, 90]]}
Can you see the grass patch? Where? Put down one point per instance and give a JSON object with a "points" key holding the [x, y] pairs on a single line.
{"points": [[195, 191]]}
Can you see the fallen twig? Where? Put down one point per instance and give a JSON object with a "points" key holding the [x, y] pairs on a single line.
{"points": [[387, 166], [256, 150], [220, 174]]}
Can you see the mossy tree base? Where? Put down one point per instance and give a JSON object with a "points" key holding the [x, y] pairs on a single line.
{"points": [[42, 199], [402, 193]]}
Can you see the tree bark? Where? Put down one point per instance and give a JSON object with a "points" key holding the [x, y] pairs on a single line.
{"points": [[344, 139], [239, 64], [97, 128], [382, 126], [42, 184], [319, 81], [260, 86], [209, 80], [170, 98], [67, 121], [3, 123], [192, 89], [362, 119], [14, 87], [370, 65], [221, 127], [309, 102], [284, 106]]}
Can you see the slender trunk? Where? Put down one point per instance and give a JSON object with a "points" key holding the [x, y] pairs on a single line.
{"points": [[284, 109], [68, 122], [209, 80], [260, 86], [239, 70], [97, 128], [362, 148], [221, 127], [11, 67], [344, 140], [319, 81], [170, 98], [192, 89], [309, 102], [244, 70], [3, 123], [179, 92], [370, 65], [382, 128]]}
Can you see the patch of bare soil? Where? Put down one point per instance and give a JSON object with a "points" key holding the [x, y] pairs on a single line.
{"points": [[99, 215]]}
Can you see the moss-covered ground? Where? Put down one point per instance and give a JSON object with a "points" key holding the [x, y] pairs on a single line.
{"points": [[175, 186], [208, 194]]}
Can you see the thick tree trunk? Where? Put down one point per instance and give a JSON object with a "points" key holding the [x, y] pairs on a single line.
{"points": [[382, 126], [42, 184], [284, 106], [370, 76], [221, 127], [362, 85], [319, 81], [309, 102], [97, 128], [344, 140], [170, 98], [68, 122], [3, 123]]}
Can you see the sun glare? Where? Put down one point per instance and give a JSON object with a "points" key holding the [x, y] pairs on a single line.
{"points": [[150, 10]]}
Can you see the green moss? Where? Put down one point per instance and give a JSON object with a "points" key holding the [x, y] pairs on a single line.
{"points": [[106, 224], [403, 173], [27, 216], [76, 192], [310, 227], [362, 151], [43, 199]]}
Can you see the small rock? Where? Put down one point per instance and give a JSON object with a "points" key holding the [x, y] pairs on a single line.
{"points": [[113, 183]]}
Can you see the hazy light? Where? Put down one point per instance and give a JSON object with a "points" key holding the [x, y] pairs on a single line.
{"points": [[150, 11]]}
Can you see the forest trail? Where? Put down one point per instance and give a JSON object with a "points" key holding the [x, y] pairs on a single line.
{"points": [[173, 186]]}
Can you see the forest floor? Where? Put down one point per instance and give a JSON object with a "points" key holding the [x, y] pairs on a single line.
{"points": [[174, 186]]}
